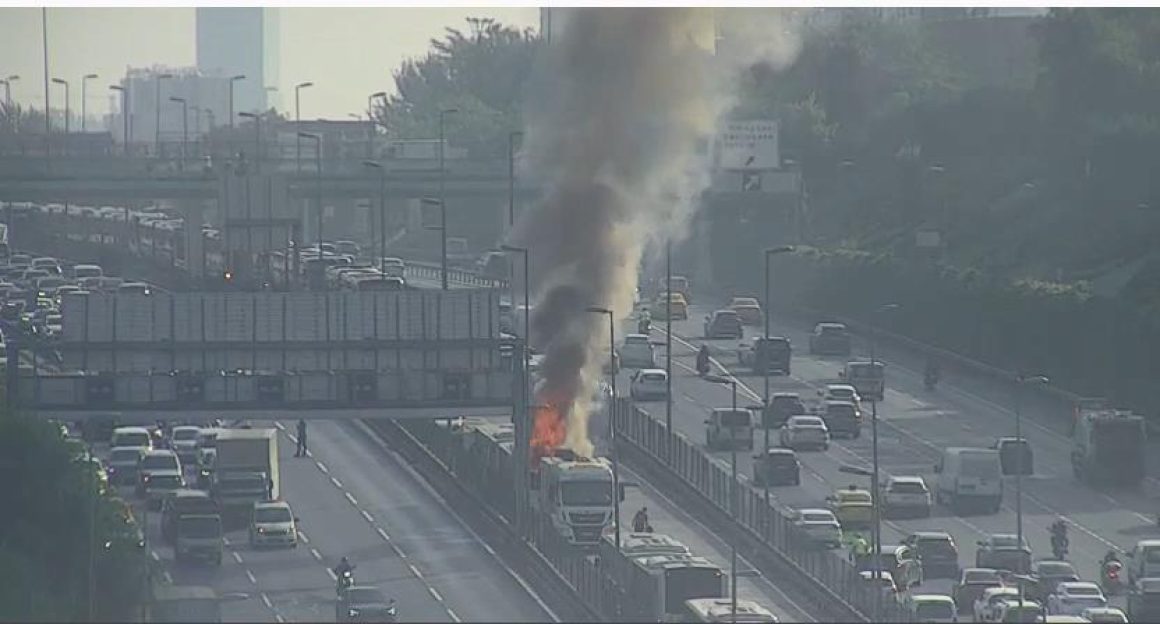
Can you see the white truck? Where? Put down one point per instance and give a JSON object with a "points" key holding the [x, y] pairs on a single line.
{"points": [[577, 495], [245, 468]]}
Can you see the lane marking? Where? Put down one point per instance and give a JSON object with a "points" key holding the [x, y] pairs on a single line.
{"points": [[336, 482], [237, 556], [278, 618], [350, 497], [368, 516], [168, 578], [415, 571], [266, 601], [330, 572], [434, 594], [156, 557], [279, 425], [383, 534], [398, 551], [225, 540], [322, 467], [250, 575], [302, 536], [451, 614], [314, 553]]}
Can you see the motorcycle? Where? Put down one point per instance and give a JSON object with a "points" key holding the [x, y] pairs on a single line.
{"points": [[392, 612], [702, 367], [344, 581], [930, 380], [644, 326], [1111, 581], [1059, 547]]}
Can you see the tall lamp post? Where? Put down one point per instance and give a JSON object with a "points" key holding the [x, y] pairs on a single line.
{"points": [[442, 189], [371, 121], [767, 307], [8, 90], [523, 421], [64, 83], [442, 228], [184, 127], [512, 136], [233, 79], [1020, 381], [318, 165], [257, 136], [732, 383], [196, 128], [298, 123], [875, 495], [157, 113], [612, 416], [668, 349], [124, 113], [382, 236], [84, 100]]}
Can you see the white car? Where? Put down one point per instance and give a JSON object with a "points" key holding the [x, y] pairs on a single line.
{"points": [[805, 431], [1072, 597], [986, 607], [272, 522], [158, 473], [637, 352], [820, 525], [1104, 615], [883, 579], [906, 493], [649, 384], [931, 608], [840, 392], [183, 441]]}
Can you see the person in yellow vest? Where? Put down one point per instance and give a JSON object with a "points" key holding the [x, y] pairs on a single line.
{"points": [[859, 551]]}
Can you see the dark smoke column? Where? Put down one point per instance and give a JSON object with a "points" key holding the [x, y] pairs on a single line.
{"points": [[620, 102]]}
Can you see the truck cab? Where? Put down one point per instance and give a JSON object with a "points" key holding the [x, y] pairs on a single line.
{"points": [[1108, 445], [868, 378], [577, 495]]}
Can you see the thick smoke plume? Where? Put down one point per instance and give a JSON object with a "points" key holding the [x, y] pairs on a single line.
{"points": [[625, 104]]}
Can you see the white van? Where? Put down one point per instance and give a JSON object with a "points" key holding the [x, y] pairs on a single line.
{"points": [[970, 477]]}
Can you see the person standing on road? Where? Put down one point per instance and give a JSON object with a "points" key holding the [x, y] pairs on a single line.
{"points": [[300, 451]]}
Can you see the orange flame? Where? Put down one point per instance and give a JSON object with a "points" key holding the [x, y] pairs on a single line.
{"points": [[549, 428]]}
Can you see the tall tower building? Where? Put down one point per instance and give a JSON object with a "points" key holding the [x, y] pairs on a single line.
{"points": [[241, 41]]}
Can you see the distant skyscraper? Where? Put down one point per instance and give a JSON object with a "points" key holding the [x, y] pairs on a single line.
{"points": [[241, 41]]}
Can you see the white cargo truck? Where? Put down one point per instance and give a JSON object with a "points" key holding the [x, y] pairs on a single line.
{"points": [[245, 467], [577, 495]]}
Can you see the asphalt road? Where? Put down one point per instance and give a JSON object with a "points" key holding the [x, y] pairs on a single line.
{"points": [[914, 425], [354, 498]]}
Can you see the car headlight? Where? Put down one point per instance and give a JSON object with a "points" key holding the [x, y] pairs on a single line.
{"points": [[352, 612], [262, 530], [391, 611]]}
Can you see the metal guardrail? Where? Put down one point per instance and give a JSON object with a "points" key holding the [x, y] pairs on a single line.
{"points": [[830, 574], [431, 271]]}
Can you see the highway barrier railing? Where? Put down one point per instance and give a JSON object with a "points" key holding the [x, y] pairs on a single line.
{"points": [[830, 573]]}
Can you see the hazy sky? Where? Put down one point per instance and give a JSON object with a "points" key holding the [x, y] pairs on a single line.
{"points": [[347, 52]]}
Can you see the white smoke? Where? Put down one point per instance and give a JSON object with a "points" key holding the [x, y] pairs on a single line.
{"points": [[625, 104]]}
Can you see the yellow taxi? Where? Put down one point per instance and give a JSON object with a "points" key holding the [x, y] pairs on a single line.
{"points": [[852, 506], [676, 301]]}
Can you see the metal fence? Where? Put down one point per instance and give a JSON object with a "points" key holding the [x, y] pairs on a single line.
{"points": [[771, 523]]}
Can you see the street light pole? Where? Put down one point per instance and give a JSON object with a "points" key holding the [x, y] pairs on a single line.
{"points": [[612, 417], [767, 306], [157, 114], [522, 425], [257, 117], [382, 236], [298, 123], [124, 113], [318, 164], [512, 177], [233, 79], [184, 127], [371, 121], [1020, 381], [8, 91], [668, 350], [64, 83], [875, 494], [84, 100], [732, 383], [443, 193]]}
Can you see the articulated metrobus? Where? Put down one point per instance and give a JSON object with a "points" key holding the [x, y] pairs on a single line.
{"points": [[721, 610]]}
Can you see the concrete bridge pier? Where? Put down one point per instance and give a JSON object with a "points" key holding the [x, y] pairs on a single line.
{"points": [[193, 211]]}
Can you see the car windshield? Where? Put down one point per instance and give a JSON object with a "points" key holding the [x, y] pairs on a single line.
{"points": [[806, 422], [1083, 590], [586, 493], [854, 497], [132, 439], [365, 595], [165, 481], [1152, 555], [1006, 541], [908, 487], [159, 462], [1056, 568], [121, 456], [739, 418], [185, 434], [936, 547], [200, 526], [841, 410], [842, 393], [833, 332], [817, 517], [932, 610], [981, 576], [652, 377], [780, 459], [272, 514]]}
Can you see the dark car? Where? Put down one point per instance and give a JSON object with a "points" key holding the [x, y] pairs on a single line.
{"points": [[777, 466], [971, 585], [843, 417], [1144, 601], [723, 324], [781, 406], [1002, 552], [181, 503], [1046, 574], [767, 355], [830, 339], [937, 552], [1015, 456], [363, 603]]}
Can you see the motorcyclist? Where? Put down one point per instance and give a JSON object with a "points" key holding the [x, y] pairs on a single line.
{"points": [[640, 521], [644, 322], [1059, 538], [703, 360], [931, 375], [343, 568], [1111, 556]]}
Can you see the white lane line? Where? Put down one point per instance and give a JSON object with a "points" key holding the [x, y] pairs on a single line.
{"points": [[330, 572], [336, 482], [225, 540], [237, 556], [398, 551], [281, 427], [250, 575], [368, 516], [415, 571], [314, 553], [434, 594], [156, 557], [350, 497], [168, 578], [266, 601], [302, 536], [309, 454], [383, 534], [451, 614], [322, 467], [278, 618]]}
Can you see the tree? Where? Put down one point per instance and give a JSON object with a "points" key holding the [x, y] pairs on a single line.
{"points": [[481, 74]]}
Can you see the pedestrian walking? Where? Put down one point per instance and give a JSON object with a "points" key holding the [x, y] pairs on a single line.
{"points": [[300, 451]]}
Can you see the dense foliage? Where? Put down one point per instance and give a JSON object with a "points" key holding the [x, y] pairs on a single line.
{"points": [[55, 514]]}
